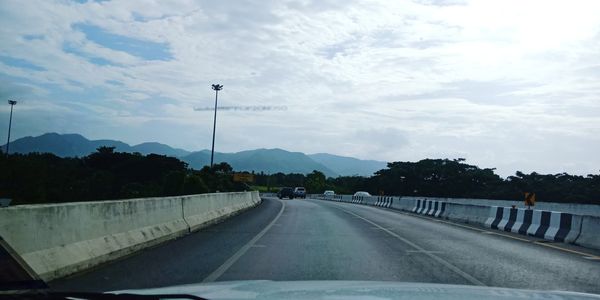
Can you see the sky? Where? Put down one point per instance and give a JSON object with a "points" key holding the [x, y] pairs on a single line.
{"points": [[511, 85]]}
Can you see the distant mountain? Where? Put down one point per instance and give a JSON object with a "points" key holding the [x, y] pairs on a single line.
{"points": [[158, 148], [348, 165], [261, 160], [71, 145], [64, 145]]}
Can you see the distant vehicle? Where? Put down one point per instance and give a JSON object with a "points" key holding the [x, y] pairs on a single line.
{"points": [[361, 193], [299, 192], [329, 193], [286, 192]]}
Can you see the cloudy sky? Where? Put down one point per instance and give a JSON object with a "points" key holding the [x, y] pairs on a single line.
{"points": [[508, 84]]}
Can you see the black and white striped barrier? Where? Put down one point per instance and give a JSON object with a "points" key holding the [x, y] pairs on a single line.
{"points": [[384, 201], [429, 207], [549, 225], [357, 199], [555, 226]]}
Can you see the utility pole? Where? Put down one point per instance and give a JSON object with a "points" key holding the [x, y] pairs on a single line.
{"points": [[12, 103], [217, 88]]}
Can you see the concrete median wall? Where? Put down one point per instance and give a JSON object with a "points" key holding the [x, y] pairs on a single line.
{"points": [[202, 210], [589, 235], [472, 214], [404, 203], [60, 239], [573, 208]]}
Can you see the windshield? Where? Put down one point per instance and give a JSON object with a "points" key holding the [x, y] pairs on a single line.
{"points": [[157, 144]]}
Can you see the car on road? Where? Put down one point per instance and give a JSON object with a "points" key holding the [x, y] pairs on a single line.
{"points": [[299, 192], [361, 193], [286, 192], [328, 193]]}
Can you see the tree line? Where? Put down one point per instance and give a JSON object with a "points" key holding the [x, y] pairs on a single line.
{"points": [[451, 179], [104, 175]]}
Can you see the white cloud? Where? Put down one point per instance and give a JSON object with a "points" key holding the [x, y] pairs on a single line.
{"points": [[510, 84]]}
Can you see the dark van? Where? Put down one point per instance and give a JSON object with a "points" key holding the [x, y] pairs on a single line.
{"points": [[286, 192]]}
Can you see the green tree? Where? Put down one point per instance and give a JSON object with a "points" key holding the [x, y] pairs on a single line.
{"points": [[193, 184], [173, 183], [315, 182]]}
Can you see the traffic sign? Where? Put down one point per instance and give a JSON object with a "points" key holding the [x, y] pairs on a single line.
{"points": [[530, 199], [243, 177]]}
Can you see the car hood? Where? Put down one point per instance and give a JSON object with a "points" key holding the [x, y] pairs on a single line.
{"points": [[264, 289]]}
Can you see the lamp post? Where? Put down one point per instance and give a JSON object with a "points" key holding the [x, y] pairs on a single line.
{"points": [[12, 103], [217, 88]]}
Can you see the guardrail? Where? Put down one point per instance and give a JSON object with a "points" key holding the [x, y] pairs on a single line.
{"points": [[56, 240], [565, 227]]}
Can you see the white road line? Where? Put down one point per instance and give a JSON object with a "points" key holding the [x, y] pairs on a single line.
{"points": [[448, 265], [377, 228], [419, 251], [227, 264], [592, 257]]}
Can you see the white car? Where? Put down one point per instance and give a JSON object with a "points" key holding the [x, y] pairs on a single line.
{"points": [[299, 192], [328, 193], [361, 193]]}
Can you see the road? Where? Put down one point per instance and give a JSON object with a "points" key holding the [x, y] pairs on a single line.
{"points": [[322, 240]]}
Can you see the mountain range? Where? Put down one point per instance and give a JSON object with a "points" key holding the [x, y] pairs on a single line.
{"points": [[259, 160]]}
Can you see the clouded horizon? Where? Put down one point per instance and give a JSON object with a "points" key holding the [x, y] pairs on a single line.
{"points": [[512, 85]]}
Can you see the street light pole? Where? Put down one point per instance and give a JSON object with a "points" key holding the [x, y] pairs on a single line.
{"points": [[217, 88], [12, 103]]}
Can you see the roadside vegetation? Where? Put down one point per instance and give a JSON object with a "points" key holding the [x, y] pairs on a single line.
{"points": [[106, 174], [448, 178]]}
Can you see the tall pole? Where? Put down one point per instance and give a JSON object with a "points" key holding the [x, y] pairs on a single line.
{"points": [[217, 88], [12, 103]]}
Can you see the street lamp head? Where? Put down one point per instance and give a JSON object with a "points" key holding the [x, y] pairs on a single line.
{"points": [[217, 87], [12, 102]]}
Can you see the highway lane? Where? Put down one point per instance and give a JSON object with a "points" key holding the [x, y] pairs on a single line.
{"points": [[188, 259], [321, 240]]}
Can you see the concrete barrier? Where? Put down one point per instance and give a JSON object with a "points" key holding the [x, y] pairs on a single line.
{"points": [[589, 235], [551, 225], [60, 239], [471, 214], [523, 221], [573, 208], [370, 201], [357, 199], [429, 207], [205, 209], [384, 201], [404, 203]]}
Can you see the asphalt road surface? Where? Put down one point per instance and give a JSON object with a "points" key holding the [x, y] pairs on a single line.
{"points": [[322, 240]]}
